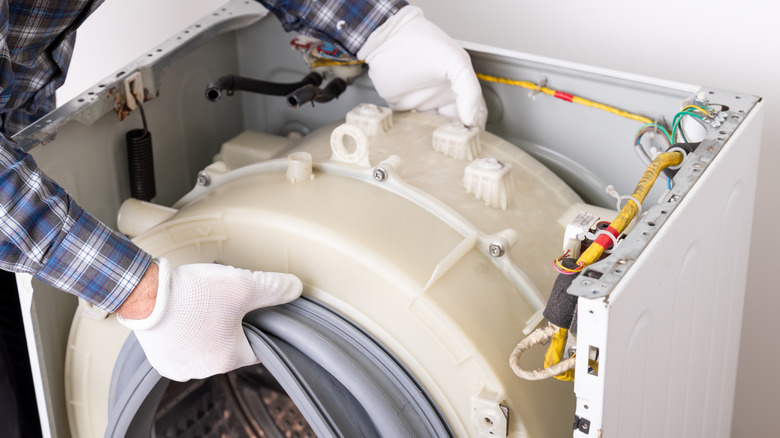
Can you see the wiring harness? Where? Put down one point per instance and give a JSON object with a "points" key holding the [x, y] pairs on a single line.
{"points": [[561, 307]]}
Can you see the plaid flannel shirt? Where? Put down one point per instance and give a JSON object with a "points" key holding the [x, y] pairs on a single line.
{"points": [[42, 230], [343, 22]]}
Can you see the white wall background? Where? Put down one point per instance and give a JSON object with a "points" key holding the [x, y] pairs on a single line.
{"points": [[724, 44]]}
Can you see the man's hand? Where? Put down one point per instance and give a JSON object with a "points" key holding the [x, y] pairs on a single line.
{"points": [[414, 65], [188, 318]]}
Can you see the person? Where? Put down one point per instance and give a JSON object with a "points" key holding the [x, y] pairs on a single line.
{"points": [[187, 318]]}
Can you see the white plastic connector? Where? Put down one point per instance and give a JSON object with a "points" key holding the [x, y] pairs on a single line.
{"points": [[457, 141], [489, 180], [372, 119], [346, 137], [572, 237], [299, 167]]}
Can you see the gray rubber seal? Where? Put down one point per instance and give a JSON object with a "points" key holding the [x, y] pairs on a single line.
{"points": [[341, 379]]}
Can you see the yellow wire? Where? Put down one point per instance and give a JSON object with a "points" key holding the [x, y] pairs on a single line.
{"points": [[555, 352], [565, 269], [697, 108], [627, 213], [321, 62], [612, 110], [576, 99]]}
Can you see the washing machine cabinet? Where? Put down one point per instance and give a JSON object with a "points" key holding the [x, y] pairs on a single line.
{"points": [[425, 249]]}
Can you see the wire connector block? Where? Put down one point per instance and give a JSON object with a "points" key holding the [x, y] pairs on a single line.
{"points": [[372, 119], [457, 141], [489, 180]]}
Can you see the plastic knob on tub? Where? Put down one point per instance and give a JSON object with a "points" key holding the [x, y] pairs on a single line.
{"points": [[489, 180], [457, 141], [372, 119]]}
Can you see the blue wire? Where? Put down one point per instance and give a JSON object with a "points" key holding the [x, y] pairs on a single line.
{"points": [[669, 183]]}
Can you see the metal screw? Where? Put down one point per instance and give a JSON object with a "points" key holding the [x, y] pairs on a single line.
{"points": [[380, 174], [715, 124], [496, 249], [204, 179]]}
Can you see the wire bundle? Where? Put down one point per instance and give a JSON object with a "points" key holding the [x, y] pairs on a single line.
{"points": [[555, 365]]}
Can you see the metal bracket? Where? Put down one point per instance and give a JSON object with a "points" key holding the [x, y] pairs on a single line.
{"points": [[581, 424], [134, 90], [600, 278]]}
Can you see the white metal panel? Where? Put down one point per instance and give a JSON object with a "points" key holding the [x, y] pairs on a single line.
{"points": [[668, 335]]}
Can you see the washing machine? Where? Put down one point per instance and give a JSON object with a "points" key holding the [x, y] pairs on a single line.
{"points": [[427, 249]]}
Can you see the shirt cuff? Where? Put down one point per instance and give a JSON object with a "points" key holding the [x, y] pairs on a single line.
{"points": [[94, 262]]}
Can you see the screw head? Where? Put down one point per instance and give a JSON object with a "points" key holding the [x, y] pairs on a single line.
{"points": [[204, 179], [496, 249], [380, 174]]}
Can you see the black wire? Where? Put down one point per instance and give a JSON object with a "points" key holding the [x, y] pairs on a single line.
{"points": [[143, 115]]}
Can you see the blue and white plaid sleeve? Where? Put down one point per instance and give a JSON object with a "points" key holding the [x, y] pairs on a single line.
{"points": [[42, 230], [45, 233], [342, 22]]}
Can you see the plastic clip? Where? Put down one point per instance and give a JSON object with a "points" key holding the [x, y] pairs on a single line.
{"points": [[612, 192], [680, 150], [542, 83]]}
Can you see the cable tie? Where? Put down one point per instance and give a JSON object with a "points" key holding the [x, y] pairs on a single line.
{"points": [[682, 151], [612, 192], [586, 235], [542, 83], [611, 237]]}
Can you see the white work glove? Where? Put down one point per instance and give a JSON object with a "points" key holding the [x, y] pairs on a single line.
{"points": [[414, 65], [195, 329]]}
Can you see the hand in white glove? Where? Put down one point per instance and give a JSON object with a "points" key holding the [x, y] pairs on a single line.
{"points": [[194, 330], [414, 65]]}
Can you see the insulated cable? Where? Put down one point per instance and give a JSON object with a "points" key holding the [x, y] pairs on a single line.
{"points": [[559, 309], [539, 336], [630, 209], [556, 351], [564, 96], [651, 128]]}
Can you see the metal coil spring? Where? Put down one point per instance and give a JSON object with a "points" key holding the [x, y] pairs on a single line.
{"points": [[140, 162]]}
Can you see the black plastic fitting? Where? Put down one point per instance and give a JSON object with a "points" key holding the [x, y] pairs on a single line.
{"points": [[312, 93]]}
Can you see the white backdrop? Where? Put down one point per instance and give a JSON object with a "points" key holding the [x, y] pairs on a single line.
{"points": [[724, 44]]}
